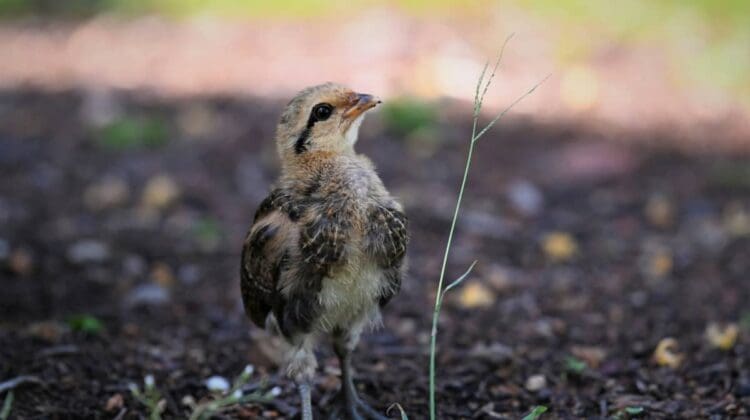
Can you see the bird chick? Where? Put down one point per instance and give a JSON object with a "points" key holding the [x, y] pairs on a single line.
{"points": [[326, 248]]}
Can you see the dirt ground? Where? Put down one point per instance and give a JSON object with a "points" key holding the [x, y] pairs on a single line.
{"points": [[590, 254]]}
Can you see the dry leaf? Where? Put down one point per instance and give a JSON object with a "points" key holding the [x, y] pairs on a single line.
{"points": [[50, 331], [559, 246], [722, 338], [114, 402], [21, 262], [592, 355], [162, 275], [736, 220], [197, 121], [105, 194], [660, 211], [160, 191], [660, 264], [475, 295], [666, 353]]}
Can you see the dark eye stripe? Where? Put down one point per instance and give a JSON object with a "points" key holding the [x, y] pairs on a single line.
{"points": [[315, 115]]}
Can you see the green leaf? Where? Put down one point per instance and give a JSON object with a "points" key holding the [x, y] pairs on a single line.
{"points": [[745, 320], [408, 115], [460, 279], [207, 232], [575, 365], [401, 409], [634, 410], [133, 133], [86, 323], [536, 413], [7, 406]]}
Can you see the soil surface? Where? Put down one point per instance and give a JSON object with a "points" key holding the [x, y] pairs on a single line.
{"points": [[122, 217]]}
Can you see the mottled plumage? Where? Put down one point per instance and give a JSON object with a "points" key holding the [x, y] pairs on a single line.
{"points": [[327, 246]]}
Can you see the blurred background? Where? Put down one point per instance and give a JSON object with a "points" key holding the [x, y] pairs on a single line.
{"points": [[608, 210], [636, 64]]}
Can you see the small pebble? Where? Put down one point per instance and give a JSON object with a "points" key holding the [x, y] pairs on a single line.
{"points": [[536, 383], [88, 251], [500, 278], [147, 294], [494, 353], [525, 197], [406, 327], [486, 224], [188, 401], [189, 274], [100, 107], [105, 194], [133, 265], [217, 384], [708, 234]]}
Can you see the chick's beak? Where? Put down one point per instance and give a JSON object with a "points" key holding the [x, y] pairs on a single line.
{"points": [[361, 103]]}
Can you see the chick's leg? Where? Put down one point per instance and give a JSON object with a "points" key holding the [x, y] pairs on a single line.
{"points": [[343, 345], [301, 366], [304, 393]]}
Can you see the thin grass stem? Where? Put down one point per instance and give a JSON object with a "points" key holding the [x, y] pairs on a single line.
{"points": [[440, 294], [478, 105], [459, 280], [505, 111]]}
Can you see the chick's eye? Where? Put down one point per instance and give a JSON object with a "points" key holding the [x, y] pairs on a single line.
{"points": [[322, 112]]}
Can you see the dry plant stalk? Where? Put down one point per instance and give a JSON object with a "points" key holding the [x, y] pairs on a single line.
{"points": [[479, 94]]}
